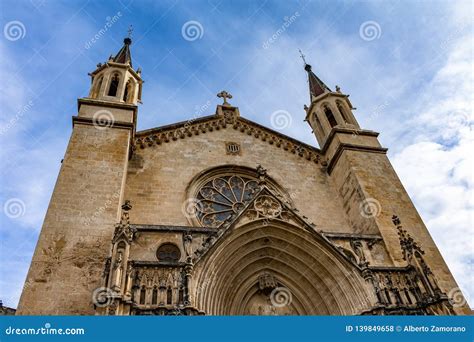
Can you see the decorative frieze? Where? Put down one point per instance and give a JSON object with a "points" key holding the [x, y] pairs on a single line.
{"points": [[190, 128]]}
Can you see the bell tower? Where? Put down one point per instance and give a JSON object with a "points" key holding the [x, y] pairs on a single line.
{"points": [[371, 192], [327, 109], [85, 206], [116, 80]]}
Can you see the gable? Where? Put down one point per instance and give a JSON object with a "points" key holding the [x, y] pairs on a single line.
{"points": [[225, 118]]}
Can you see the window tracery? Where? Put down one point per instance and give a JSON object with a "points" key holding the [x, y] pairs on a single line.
{"points": [[223, 196]]}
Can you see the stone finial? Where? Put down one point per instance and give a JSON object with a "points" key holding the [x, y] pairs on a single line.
{"points": [[126, 207], [225, 95], [407, 243]]}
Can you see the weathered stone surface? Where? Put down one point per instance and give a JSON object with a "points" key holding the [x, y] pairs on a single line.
{"points": [[298, 230]]}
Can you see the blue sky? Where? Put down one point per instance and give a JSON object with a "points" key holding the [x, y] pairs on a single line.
{"points": [[407, 66]]}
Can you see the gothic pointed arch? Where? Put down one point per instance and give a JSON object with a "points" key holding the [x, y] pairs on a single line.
{"points": [[302, 272], [114, 84]]}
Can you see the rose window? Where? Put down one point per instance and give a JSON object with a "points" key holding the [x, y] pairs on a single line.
{"points": [[223, 196]]}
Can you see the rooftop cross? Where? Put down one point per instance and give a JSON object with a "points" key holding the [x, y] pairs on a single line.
{"points": [[129, 31], [225, 95], [302, 56]]}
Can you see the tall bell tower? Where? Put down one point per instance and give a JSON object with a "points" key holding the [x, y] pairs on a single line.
{"points": [[86, 203], [371, 192]]}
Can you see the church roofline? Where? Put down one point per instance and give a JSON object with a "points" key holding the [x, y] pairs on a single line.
{"points": [[211, 122]]}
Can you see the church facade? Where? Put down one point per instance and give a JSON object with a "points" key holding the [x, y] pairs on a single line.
{"points": [[220, 215]]}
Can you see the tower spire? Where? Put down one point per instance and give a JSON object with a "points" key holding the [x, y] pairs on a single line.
{"points": [[316, 86], [124, 56]]}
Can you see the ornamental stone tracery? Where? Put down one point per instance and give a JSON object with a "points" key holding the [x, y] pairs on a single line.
{"points": [[224, 196]]}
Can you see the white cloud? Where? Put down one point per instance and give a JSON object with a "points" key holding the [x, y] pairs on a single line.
{"points": [[437, 165]]}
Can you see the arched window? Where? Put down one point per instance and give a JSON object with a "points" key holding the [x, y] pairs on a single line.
{"points": [[154, 296], [223, 191], [330, 116], [97, 86], [169, 296], [168, 252], [318, 123], [114, 82], [181, 296], [223, 196], [128, 92], [142, 295], [342, 110]]}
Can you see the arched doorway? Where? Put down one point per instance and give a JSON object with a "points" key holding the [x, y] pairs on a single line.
{"points": [[272, 267]]}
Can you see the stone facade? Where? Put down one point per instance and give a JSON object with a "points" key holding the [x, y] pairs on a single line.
{"points": [[222, 216]]}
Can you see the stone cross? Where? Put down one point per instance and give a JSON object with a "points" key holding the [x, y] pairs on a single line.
{"points": [[225, 95]]}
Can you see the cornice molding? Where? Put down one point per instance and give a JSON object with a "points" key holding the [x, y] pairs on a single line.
{"points": [[184, 129], [95, 102], [91, 122], [345, 130], [343, 147]]}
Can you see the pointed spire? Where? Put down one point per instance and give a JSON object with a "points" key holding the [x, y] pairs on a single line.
{"points": [[316, 86], [124, 56]]}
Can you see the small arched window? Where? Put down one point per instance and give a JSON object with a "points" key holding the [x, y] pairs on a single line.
{"points": [[142, 295], [154, 296], [168, 252], [169, 296], [342, 110], [318, 123], [114, 82], [330, 116], [128, 92]]}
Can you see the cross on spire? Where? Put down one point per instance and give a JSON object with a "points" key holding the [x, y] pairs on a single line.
{"points": [[225, 95], [302, 56], [130, 31]]}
